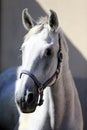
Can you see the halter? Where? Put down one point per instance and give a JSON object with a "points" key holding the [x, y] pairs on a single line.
{"points": [[50, 81]]}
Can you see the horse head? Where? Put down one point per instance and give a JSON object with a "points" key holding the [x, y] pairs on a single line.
{"points": [[41, 58]]}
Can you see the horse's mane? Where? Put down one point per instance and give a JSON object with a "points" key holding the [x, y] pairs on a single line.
{"points": [[42, 20]]}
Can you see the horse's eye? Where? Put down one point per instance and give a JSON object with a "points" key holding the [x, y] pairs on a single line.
{"points": [[48, 52]]}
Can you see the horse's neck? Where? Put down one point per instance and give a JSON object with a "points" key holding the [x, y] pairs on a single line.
{"points": [[64, 98]]}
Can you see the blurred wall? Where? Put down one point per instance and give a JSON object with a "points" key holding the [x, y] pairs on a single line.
{"points": [[72, 16]]}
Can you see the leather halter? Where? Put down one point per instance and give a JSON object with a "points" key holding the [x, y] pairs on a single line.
{"points": [[50, 81]]}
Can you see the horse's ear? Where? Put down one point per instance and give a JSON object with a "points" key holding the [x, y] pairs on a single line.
{"points": [[53, 21], [27, 20]]}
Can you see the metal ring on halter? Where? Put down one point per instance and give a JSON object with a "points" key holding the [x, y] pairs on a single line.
{"points": [[40, 89]]}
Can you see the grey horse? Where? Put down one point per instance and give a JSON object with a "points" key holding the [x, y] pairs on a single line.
{"points": [[45, 93]]}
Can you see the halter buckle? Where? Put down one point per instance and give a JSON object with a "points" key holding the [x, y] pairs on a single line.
{"points": [[40, 89]]}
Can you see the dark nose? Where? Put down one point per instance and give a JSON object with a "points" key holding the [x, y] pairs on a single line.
{"points": [[29, 97]]}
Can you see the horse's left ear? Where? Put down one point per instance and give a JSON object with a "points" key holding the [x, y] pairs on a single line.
{"points": [[53, 21]]}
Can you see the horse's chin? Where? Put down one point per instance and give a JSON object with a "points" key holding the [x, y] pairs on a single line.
{"points": [[27, 110]]}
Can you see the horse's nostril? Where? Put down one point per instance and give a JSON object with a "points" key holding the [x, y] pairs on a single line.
{"points": [[30, 97]]}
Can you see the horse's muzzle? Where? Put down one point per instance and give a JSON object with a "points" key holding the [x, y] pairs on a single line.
{"points": [[27, 103]]}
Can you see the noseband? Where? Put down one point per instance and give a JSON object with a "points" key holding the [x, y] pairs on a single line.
{"points": [[50, 81]]}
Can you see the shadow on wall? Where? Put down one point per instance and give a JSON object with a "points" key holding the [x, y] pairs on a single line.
{"points": [[81, 85], [78, 63]]}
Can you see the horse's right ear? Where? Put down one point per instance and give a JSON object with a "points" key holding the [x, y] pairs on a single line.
{"points": [[27, 20]]}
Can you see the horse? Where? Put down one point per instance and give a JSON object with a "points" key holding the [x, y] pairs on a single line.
{"points": [[43, 88], [45, 91]]}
